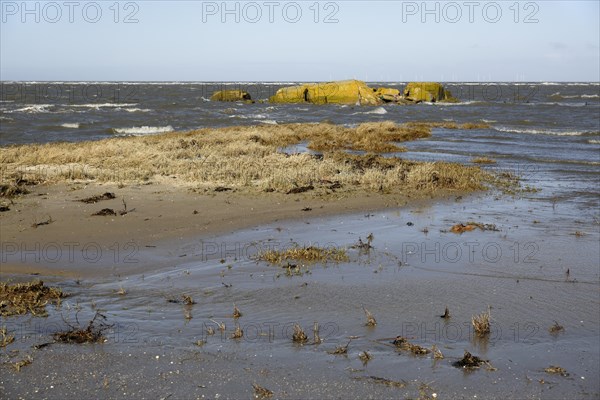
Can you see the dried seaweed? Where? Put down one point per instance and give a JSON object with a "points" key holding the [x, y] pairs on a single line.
{"points": [[469, 226], [31, 297], [105, 212], [383, 381], [93, 333], [469, 361], [97, 198], [403, 344], [556, 328], [555, 369]]}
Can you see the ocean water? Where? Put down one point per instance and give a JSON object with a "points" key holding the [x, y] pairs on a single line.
{"points": [[548, 133]]}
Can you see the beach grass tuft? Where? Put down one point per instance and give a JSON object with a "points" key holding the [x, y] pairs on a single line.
{"points": [[306, 254], [248, 159], [481, 323]]}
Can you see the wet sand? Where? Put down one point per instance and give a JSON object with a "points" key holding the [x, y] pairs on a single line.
{"points": [[415, 269], [76, 243]]}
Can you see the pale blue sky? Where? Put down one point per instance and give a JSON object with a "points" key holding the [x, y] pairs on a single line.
{"points": [[371, 40]]}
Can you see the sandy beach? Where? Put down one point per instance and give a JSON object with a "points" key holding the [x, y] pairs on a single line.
{"points": [[159, 214], [191, 308]]}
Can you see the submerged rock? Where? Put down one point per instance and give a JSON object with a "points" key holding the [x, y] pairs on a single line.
{"points": [[428, 91], [231, 95], [339, 92]]}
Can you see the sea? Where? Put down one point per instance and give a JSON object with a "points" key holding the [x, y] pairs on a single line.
{"points": [[548, 133]]}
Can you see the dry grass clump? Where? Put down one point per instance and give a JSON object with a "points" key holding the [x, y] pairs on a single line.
{"points": [[340, 350], [555, 369], [236, 312], [375, 137], [23, 363], [365, 357], [481, 323], [299, 336], [403, 344], [371, 321], [238, 333], [5, 338], [248, 158], [556, 328], [316, 338], [437, 353], [310, 254], [261, 392], [12, 189], [30, 297]]}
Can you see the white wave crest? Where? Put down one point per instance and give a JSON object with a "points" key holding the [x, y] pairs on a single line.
{"points": [[101, 105], [378, 111], [541, 131], [462, 103], [594, 141], [143, 130], [33, 109], [135, 109], [268, 122], [71, 125]]}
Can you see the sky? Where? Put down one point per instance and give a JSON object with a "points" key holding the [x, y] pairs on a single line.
{"points": [[393, 41]]}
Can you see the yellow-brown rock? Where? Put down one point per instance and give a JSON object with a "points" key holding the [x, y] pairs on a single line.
{"points": [[339, 92], [388, 94], [427, 91], [230, 95]]}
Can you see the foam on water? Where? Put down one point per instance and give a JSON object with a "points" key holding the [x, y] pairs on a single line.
{"points": [[142, 130], [100, 105], [378, 110], [71, 125], [543, 131], [33, 108], [131, 110], [558, 95]]}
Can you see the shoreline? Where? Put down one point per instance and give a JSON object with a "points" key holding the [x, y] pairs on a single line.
{"points": [[183, 185], [161, 216]]}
